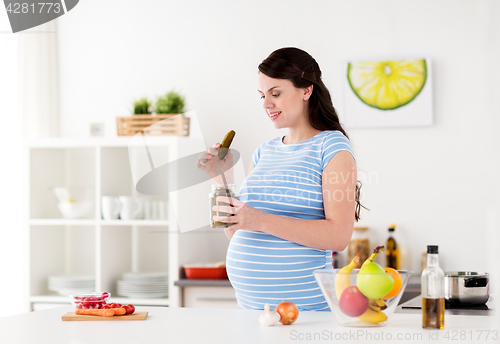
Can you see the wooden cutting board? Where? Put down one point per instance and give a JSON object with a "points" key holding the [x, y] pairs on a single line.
{"points": [[71, 316]]}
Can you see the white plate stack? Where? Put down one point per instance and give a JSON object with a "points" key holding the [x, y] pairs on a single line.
{"points": [[66, 285], [145, 285]]}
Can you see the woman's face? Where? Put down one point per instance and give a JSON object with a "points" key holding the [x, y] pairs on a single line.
{"points": [[285, 105]]}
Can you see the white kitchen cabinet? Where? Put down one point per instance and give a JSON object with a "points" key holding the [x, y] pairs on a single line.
{"points": [[108, 248], [209, 297]]}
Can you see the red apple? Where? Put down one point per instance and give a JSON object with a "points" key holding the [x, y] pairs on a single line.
{"points": [[352, 302]]}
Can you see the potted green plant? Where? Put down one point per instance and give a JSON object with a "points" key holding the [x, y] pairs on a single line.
{"points": [[166, 109], [142, 107], [171, 103]]}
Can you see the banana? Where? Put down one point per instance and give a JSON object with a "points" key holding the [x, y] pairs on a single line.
{"points": [[377, 305], [343, 278], [373, 255], [372, 316]]}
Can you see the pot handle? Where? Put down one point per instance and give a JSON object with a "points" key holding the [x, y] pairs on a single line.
{"points": [[475, 282]]}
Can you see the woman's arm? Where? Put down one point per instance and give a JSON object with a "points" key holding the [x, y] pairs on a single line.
{"points": [[339, 186]]}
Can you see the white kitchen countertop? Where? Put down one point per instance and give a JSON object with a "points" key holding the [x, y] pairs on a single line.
{"points": [[217, 326]]}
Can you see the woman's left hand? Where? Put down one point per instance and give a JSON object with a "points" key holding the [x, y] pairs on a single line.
{"points": [[245, 216]]}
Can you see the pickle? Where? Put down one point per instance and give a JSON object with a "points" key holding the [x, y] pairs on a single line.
{"points": [[224, 146], [221, 191]]}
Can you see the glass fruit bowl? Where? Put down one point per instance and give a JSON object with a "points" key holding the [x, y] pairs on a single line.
{"points": [[362, 300], [89, 300]]}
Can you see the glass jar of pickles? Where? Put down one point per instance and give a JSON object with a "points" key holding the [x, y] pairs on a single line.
{"points": [[221, 190], [359, 245]]}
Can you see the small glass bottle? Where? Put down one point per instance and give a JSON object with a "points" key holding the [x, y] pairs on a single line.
{"points": [[392, 250], [432, 291], [423, 261], [221, 190], [359, 245]]}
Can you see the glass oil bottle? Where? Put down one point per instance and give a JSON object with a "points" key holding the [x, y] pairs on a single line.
{"points": [[432, 291]]}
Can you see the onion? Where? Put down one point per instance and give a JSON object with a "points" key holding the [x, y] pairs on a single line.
{"points": [[288, 312]]}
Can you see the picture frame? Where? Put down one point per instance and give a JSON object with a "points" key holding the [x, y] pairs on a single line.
{"points": [[388, 93]]}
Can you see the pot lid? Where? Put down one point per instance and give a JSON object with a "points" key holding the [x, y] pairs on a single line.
{"points": [[464, 274]]}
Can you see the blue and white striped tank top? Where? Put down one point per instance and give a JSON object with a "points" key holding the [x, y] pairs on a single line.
{"points": [[286, 180]]}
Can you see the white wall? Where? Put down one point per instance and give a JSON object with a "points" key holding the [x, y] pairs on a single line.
{"points": [[12, 244], [438, 184]]}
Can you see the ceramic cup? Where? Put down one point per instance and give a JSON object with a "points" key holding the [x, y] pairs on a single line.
{"points": [[131, 208], [110, 207]]}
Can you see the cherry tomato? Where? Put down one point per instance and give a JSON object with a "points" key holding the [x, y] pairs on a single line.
{"points": [[129, 309]]}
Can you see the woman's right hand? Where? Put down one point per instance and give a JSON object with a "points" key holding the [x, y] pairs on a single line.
{"points": [[210, 163]]}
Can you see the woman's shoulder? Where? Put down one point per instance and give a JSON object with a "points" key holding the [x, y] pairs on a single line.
{"points": [[335, 141], [334, 136]]}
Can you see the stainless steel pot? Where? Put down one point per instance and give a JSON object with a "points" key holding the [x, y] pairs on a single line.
{"points": [[466, 287]]}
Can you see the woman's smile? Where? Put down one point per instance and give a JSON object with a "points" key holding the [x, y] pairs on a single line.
{"points": [[274, 115]]}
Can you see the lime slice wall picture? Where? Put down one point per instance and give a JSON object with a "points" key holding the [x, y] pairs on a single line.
{"points": [[389, 93]]}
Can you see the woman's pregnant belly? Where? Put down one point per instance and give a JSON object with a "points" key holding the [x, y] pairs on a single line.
{"points": [[265, 269]]}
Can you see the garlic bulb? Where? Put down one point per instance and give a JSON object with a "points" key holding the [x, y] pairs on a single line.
{"points": [[269, 317]]}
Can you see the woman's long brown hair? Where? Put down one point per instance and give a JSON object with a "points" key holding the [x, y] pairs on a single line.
{"points": [[303, 71]]}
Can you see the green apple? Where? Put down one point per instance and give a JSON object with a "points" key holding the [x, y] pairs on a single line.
{"points": [[373, 282]]}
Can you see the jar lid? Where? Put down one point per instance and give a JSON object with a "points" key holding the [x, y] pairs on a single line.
{"points": [[223, 187], [433, 249]]}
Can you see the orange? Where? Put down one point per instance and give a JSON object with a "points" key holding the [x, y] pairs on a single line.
{"points": [[398, 282]]}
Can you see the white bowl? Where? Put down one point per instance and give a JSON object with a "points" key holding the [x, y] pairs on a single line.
{"points": [[75, 210], [73, 194]]}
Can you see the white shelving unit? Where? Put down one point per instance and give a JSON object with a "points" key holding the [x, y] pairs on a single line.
{"points": [[105, 248]]}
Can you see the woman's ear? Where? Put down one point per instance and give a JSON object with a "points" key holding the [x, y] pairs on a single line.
{"points": [[307, 92]]}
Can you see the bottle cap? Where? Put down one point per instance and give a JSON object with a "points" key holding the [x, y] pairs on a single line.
{"points": [[432, 249]]}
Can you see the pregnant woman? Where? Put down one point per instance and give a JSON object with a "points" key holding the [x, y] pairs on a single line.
{"points": [[300, 198]]}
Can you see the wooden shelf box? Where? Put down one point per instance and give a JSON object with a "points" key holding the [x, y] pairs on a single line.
{"points": [[173, 124]]}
